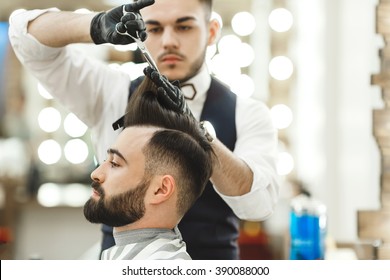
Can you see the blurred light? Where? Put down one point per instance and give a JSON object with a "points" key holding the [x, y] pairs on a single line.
{"points": [[49, 151], [226, 72], [285, 163], [76, 151], [235, 51], [13, 160], [282, 116], [243, 23], [280, 20], [49, 119], [43, 92], [71, 195], [49, 195], [229, 44], [245, 55], [73, 126], [75, 195], [243, 86], [281, 68]]}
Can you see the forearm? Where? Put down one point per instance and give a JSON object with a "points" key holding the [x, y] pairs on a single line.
{"points": [[231, 175], [250, 190], [58, 29]]}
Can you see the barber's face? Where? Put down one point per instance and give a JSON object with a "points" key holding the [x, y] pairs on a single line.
{"points": [[119, 186], [178, 35]]}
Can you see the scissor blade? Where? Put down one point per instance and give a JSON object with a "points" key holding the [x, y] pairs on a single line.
{"points": [[146, 54]]}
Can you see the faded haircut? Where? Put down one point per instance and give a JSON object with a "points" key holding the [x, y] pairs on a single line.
{"points": [[179, 149]]}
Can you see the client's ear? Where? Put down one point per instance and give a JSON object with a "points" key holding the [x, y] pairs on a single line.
{"points": [[163, 188]]}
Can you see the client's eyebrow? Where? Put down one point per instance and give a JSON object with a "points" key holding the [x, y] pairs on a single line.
{"points": [[116, 152]]}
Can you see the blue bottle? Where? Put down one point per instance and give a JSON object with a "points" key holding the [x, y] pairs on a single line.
{"points": [[307, 229]]}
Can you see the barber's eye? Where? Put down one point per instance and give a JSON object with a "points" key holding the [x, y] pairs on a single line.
{"points": [[184, 27], [154, 30]]}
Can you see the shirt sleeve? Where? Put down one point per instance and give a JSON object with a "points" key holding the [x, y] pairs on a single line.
{"points": [[84, 85], [257, 146]]}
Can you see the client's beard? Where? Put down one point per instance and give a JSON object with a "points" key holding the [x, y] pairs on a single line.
{"points": [[118, 210]]}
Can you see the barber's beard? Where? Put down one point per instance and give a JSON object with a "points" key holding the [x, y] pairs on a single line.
{"points": [[119, 210], [193, 69]]}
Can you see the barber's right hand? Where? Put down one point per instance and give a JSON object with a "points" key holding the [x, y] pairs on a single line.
{"points": [[103, 25], [169, 94]]}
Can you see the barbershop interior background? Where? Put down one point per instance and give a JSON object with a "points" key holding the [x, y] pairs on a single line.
{"points": [[320, 65]]}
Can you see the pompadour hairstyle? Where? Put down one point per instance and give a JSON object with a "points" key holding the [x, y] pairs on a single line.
{"points": [[179, 148]]}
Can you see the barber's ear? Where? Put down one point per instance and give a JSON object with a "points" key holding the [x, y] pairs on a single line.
{"points": [[163, 189], [214, 31]]}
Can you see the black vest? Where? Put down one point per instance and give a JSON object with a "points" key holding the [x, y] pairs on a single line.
{"points": [[210, 228]]}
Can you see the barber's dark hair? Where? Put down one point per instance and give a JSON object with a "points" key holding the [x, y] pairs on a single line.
{"points": [[208, 5], [180, 146]]}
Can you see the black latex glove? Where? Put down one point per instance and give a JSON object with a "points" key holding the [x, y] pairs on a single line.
{"points": [[103, 25], [169, 94]]}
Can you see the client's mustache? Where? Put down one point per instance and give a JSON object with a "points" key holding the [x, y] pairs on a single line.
{"points": [[97, 187]]}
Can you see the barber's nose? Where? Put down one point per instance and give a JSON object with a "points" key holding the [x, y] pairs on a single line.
{"points": [[170, 38]]}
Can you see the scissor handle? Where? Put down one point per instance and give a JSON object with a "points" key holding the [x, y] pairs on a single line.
{"points": [[121, 29]]}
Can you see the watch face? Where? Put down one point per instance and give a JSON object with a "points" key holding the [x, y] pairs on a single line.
{"points": [[209, 130]]}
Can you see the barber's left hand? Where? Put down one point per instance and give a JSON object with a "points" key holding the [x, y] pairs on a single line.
{"points": [[169, 93]]}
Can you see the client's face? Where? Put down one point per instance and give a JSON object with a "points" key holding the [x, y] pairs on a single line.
{"points": [[119, 185]]}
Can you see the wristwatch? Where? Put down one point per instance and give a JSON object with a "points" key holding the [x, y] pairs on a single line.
{"points": [[208, 130]]}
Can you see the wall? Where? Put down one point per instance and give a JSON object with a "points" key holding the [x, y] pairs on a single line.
{"points": [[336, 51], [60, 233]]}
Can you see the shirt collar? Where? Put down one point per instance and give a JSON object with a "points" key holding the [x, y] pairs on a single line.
{"points": [[197, 86]]}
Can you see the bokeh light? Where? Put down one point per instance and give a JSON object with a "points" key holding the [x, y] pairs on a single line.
{"points": [[49, 195], [49, 119], [245, 55], [76, 151], [280, 20], [49, 151], [243, 86], [243, 23], [73, 126], [282, 116], [281, 68], [285, 163]]}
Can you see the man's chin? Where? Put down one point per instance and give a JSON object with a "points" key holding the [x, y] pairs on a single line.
{"points": [[174, 72]]}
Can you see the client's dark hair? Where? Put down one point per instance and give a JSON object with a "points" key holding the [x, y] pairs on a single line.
{"points": [[180, 146]]}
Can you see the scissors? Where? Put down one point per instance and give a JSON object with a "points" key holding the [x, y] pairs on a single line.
{"points": [[138, 41]]}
